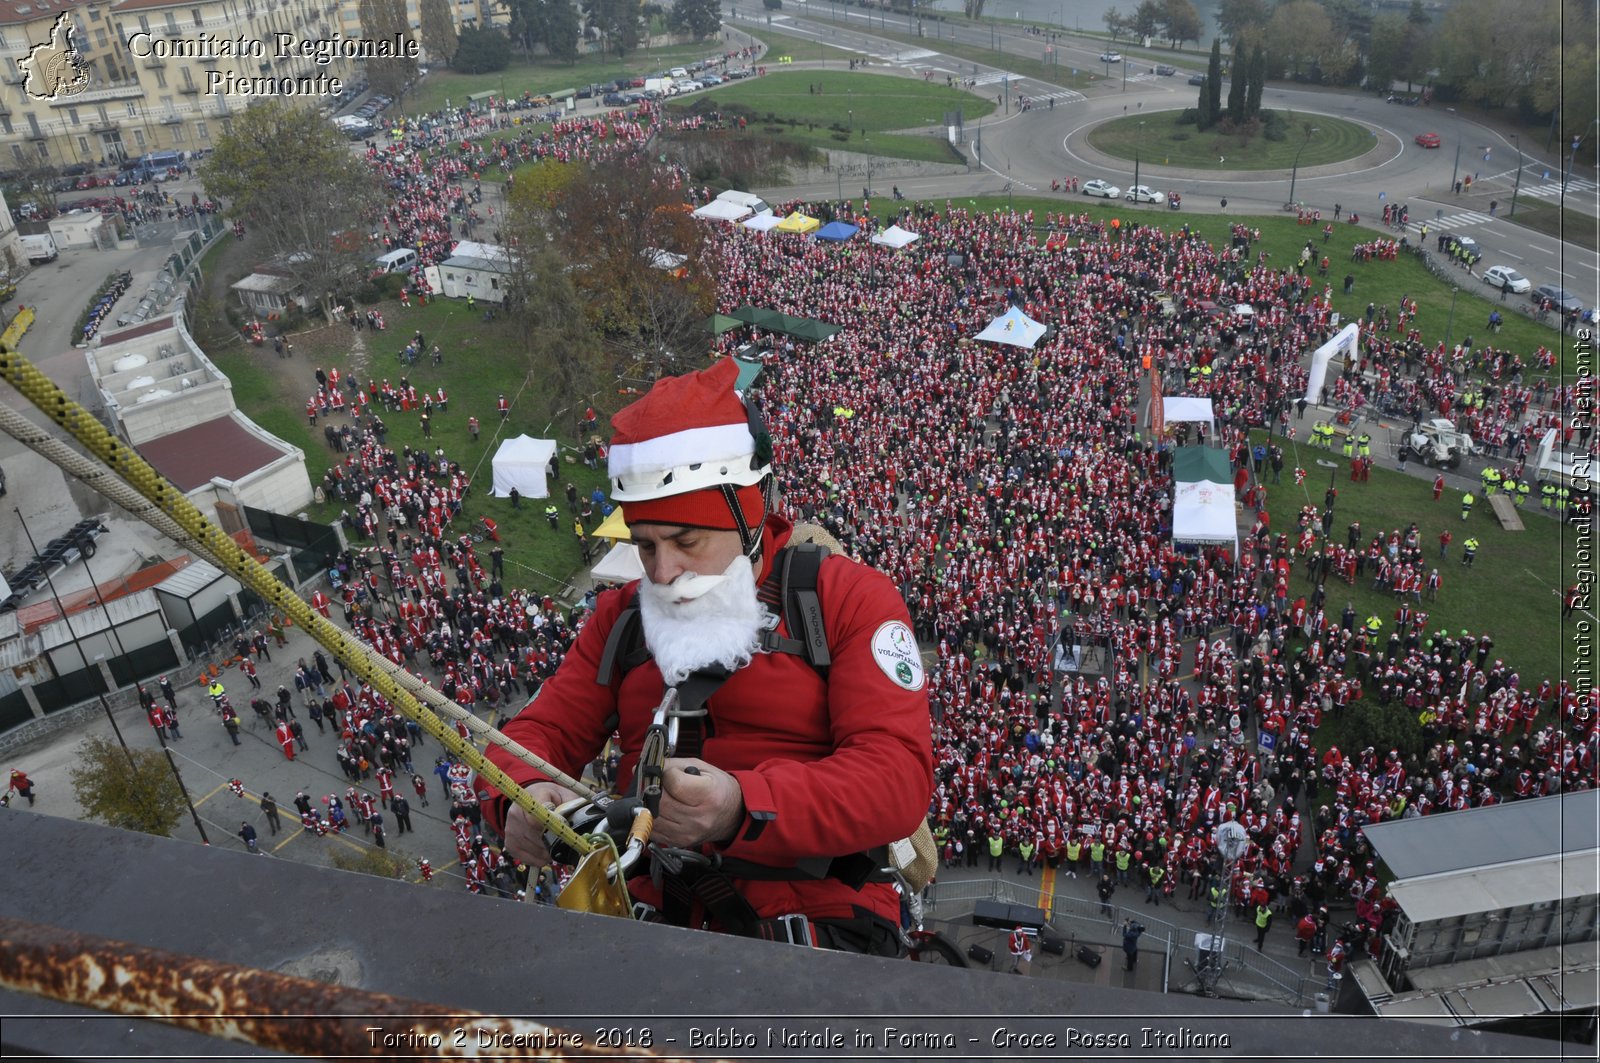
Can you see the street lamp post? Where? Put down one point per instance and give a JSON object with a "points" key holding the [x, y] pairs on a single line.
{"points": [[1294, 173], [1455, 171], [1136, 156], [1518, 186]]}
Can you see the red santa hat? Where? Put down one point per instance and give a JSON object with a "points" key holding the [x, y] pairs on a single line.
{"points": [[691, 453]]}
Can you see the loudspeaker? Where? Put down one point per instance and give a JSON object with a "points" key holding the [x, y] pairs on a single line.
{"points": [[980, 954], [1088, 957], [1054, 946]]}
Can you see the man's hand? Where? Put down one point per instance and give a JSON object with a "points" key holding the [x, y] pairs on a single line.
{"points": [[705, 805], [524, 834]]}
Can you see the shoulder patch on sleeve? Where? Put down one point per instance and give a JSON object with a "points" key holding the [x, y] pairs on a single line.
{"points": [[894, 648]]}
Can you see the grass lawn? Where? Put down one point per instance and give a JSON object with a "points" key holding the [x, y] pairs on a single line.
{"points": [[1051, 73], [801, 50], [547, 75], [481, 361], [1512, 591], [1552, 220], [1158, 136], [853, 110]]}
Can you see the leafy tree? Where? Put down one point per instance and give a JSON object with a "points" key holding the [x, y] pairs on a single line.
{"points": [[1146, 18], [610, 224], [384, 20], [1258, 82], [264, 167], [552, 23], [1204, 117], [973, 9], [438, 30], [701, 19], [1384, 55], [1238, 19], [1180, 21], [141, 796], [482, 51], [1213, 86], [1351, 20], [378, 862], [1117, 24], [1299, 36], [1505, 57], [1416, 55], [1572, 93], [620, 23]]}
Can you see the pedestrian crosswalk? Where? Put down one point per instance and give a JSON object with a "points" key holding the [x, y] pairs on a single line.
{"points": [[1552, 189], [994, 77], [1059, 94], [1456, 221]]}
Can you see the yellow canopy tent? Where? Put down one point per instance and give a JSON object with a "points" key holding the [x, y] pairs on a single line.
{"points": [[613, 527], [799, 223]]}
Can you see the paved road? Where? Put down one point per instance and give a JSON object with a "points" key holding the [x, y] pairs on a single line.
{"points": [[1027, 150]]}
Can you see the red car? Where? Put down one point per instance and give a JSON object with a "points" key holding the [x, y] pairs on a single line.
{"points": [[1428, 140]]}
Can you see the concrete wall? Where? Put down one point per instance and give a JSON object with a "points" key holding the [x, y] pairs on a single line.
{"points": [[81, 230], [146, 628], [282, 487], [184, 408]]}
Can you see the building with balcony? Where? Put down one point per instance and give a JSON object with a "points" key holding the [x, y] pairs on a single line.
{"points": [[141, 97]]}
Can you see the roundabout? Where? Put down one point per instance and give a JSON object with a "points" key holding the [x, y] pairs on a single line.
{"points": [[1170, 138]]}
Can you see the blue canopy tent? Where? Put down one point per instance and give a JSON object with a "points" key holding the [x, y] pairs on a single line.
{"points": [[837, 231]]}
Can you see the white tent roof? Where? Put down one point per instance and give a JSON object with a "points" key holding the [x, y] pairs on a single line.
{"points": [[1013, 327], [1186, 408], [722, 210], [1202, 512], [896, 237], [619, 565], [521, 463], [762, 222]]}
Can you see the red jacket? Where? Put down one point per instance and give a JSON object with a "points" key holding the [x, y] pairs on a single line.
{"points": [[841, 765]]}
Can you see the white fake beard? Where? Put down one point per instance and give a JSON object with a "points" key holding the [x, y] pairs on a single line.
{"points": [[721, 626]]}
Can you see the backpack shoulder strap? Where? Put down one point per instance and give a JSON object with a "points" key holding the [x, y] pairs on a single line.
{"points": [[625, 649], [802, 608]]}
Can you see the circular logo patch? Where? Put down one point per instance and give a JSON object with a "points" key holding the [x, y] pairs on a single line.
{"points": [[895, 650]]}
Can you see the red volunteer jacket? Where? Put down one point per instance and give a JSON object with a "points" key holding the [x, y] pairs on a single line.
{"points": [[828, 768]]}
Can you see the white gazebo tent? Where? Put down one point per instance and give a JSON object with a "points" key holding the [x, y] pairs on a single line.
{"points": [[762, 222], [895, 237], [1014, 328], [722, 210], [1175, 408], [1204, 512], [521, 463], [620, 565]]}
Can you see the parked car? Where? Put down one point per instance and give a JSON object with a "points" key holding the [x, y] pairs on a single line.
{"points": [[1197, 79], [1462, 246], [1561, 299], [611, 99], [1144, 194], [709, 79], [1427, 140], [1103, 189], [1111, 57], [740, 74], [1507, 278]]}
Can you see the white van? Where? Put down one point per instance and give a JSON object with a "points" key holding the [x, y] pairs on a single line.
{"points": [[400, 260], [39, 249], [756, 204]]}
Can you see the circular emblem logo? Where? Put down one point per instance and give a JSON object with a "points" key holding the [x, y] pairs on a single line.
{"points": [[895, 649]]}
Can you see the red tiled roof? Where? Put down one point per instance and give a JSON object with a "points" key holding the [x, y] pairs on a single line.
{"points": [[18, 12], [191, 457]]}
